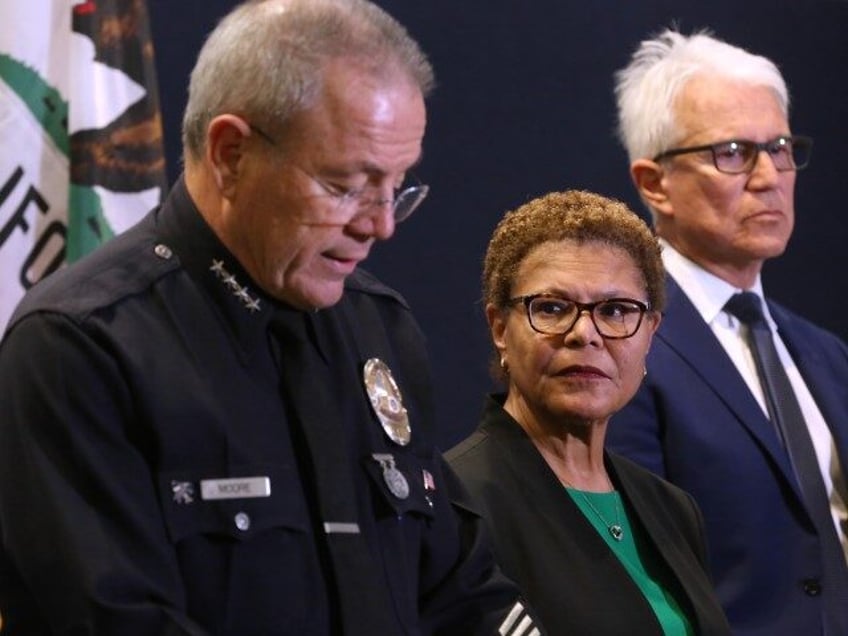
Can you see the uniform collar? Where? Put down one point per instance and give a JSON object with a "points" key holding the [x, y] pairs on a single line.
{"points": [[233, 295]]}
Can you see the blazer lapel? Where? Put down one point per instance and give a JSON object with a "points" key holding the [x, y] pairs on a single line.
{"points": [[830, 396], [667, 544], [670, 547], [536, 482], [685, 332]]}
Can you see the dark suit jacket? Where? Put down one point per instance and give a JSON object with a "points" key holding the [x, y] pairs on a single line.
{"points": [[695, 422], [565, 569]]}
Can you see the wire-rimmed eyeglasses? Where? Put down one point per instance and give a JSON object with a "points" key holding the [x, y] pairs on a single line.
{"points": [[614, 318], [350, 200], [739, 156]]}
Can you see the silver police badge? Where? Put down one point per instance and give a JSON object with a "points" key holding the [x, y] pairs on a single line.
{"points": [[395, 480], [386, 401]]}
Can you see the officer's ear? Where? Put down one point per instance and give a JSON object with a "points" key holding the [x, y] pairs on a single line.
{"points": [[226, 142]]}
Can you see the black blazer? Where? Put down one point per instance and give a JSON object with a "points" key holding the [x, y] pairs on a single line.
{"points": [[566, 570]]}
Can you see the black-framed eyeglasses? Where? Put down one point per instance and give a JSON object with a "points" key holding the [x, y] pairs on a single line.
{"points": [[739, 156], [349, 201], [614, 318]]}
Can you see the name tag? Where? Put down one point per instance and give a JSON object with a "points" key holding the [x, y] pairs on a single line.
{"points": [[236, 488]]}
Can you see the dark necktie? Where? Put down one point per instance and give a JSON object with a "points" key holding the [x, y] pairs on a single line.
{"points": [[312, 393], [785, 413]]}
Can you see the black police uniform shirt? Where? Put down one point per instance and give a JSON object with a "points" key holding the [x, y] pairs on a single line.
{"points": [[149, 372]]}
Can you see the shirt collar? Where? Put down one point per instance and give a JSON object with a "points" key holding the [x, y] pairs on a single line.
{"points": [[707, 292]]}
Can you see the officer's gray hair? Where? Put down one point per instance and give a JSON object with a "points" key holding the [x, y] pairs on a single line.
{"points": [[265, 60], [646, 89]]}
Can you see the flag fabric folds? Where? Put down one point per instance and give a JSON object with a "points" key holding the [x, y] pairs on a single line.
{"points": [[81, 153]]}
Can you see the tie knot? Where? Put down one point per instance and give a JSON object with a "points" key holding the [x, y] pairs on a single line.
{"points": [[746, 306]]}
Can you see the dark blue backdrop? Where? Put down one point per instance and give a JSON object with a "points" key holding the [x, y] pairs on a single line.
{"points": [[524, 106]]}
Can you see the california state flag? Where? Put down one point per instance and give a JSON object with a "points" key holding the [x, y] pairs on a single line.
{"points": [[80, 133]]}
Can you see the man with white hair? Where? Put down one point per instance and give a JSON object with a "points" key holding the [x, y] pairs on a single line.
{"points": [[744, 402]]}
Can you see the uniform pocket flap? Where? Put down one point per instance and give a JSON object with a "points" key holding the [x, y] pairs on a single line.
{"points": [[403, 481], [238, 504]]}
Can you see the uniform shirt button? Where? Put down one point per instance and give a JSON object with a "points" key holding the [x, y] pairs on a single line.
{"points": [[163, 251], [812, 587], [242, 520]]}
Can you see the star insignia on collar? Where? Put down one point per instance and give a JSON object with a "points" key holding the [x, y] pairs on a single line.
{"points": [[252, 305], [241, 292]]}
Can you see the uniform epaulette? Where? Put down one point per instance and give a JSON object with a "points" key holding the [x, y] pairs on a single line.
{"points": [[126, 265]]}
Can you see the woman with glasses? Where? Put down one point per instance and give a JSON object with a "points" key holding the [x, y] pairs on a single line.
{"points": [[574, 288]]}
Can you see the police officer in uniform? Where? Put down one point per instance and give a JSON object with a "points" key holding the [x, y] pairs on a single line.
{"points": [[215, 423]]}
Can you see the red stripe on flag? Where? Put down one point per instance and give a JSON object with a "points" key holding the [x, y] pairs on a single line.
{"points": [[85, 8]]}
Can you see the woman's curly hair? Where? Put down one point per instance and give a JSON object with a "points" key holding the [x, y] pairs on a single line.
{"points": [[574, 215]]}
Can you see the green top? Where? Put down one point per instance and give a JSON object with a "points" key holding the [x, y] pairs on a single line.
{"points": [[639, 562]]}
